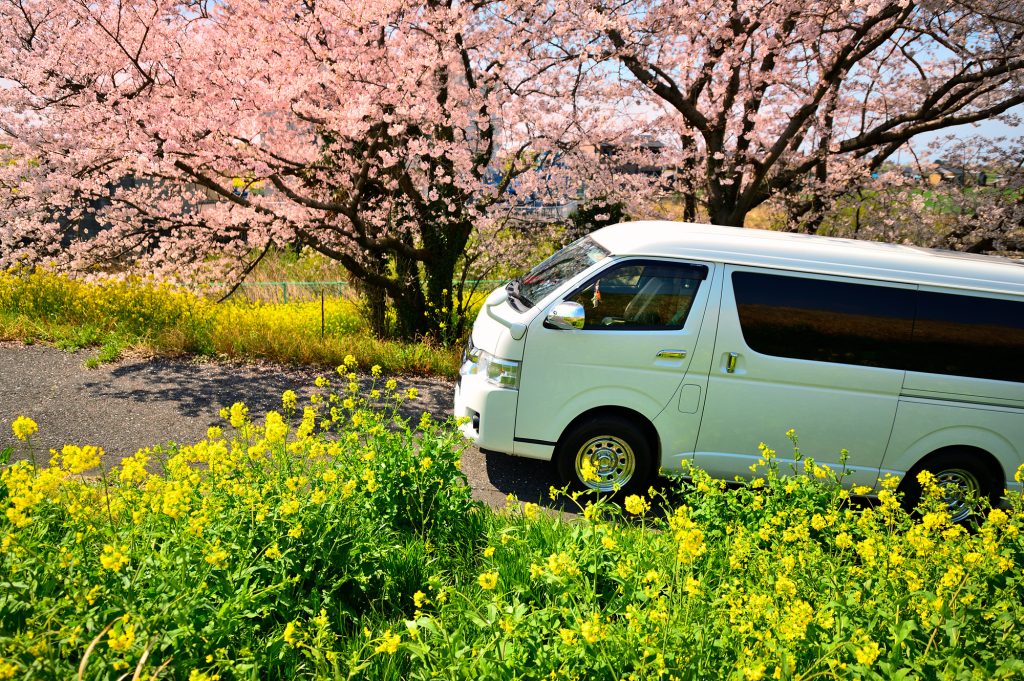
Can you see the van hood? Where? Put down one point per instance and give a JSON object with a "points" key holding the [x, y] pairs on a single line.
{"points": [[499, 329]]}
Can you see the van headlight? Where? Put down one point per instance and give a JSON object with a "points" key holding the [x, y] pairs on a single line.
{"points": [[503, 373]]}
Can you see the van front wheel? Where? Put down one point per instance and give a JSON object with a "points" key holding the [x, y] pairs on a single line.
{"points": [[606, 453]]}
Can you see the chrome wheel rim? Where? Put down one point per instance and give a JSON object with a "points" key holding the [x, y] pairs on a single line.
{"points": [[612, 460], [959, 486]]}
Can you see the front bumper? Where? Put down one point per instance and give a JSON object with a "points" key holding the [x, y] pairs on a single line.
{"points": [[490, 412]]}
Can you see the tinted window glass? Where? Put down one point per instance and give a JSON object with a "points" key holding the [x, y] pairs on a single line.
{"points": [[969, 336], [825, 321], [648, 295]]}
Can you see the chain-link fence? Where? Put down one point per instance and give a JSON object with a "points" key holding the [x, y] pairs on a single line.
{"points": [[291, 291]]}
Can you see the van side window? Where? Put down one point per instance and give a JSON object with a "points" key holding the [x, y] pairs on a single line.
{"points": [[640, 295], [969, 336], [825, 321]]}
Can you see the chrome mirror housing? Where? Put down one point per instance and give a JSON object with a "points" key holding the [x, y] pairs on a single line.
{"points": [[566, 315]]}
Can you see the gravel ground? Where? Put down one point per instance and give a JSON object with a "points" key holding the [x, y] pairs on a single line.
{"points": [[141, 401]]}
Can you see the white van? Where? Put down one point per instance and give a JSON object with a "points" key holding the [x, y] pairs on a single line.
{"points": [[647, 344]]}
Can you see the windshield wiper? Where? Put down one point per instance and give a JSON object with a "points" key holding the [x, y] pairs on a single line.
{"points": [[512, 288]]}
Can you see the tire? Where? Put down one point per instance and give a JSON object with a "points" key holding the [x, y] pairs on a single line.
{"points": [[618, 449], [964, 473]]}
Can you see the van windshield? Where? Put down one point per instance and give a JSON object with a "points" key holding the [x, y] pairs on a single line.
{"points": [[556, 270]]}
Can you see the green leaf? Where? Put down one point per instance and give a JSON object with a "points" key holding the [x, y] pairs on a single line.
{"points": [[903, 630]]}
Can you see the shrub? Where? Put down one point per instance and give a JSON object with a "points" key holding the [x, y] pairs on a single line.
{"points": [[234, 555], [120, 313]]}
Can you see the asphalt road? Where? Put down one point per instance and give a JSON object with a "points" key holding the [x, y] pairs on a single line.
{"points": [[143, 401]]}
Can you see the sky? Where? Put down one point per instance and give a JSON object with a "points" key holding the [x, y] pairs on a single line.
{"points": [[990, 129]]}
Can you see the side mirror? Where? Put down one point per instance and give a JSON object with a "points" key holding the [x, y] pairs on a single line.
{"points": [[566, 315]]}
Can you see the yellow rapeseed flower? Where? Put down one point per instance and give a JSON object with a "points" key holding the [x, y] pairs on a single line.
{"points": [[24, 427], [637, 505], [419, 599], [276, 428], [370, 478], [784, 586], [997, 517], [8, 669], [348, 488], [196, 675], [867, 653], [217, 556], [389, 643], [113, 557], [292, 634], [273, 552], [289, 400], [588, 472], [488, 580], [80, 459], [122, 636], [592, 630], [237, 415]]}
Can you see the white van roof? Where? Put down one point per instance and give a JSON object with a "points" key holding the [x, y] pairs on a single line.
{"points": [[808, 253]]}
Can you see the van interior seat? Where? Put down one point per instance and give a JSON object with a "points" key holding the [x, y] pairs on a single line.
{"points": [[662, 301]]}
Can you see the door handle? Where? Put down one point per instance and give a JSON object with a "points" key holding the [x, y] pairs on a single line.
{"points": [[730, 364], [671, 354]]}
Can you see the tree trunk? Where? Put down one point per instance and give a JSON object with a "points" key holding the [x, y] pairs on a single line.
{"points": [[375, 300], [410, 306], [376, 305], [689, 207], [727, 215]]}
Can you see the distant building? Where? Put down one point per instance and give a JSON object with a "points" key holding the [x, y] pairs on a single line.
{"points": [[945, 175]]}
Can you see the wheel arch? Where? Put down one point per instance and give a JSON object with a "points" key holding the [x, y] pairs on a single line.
{"points": [[985, 457], [906, 456], [645, 424]]}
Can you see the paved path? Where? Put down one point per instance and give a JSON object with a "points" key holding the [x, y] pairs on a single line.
{"points": [[139, 401]]}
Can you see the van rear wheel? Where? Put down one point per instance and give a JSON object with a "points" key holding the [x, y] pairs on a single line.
{"points": [[962, 475], [607, 454]]}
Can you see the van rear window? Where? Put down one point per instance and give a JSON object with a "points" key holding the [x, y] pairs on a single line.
{"points": [[969, 336], [881, 326]]}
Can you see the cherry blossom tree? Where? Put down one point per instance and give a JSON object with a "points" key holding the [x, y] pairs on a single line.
{"points": [[797, 100], [396, 136], [382, 134], [970, 199]]}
